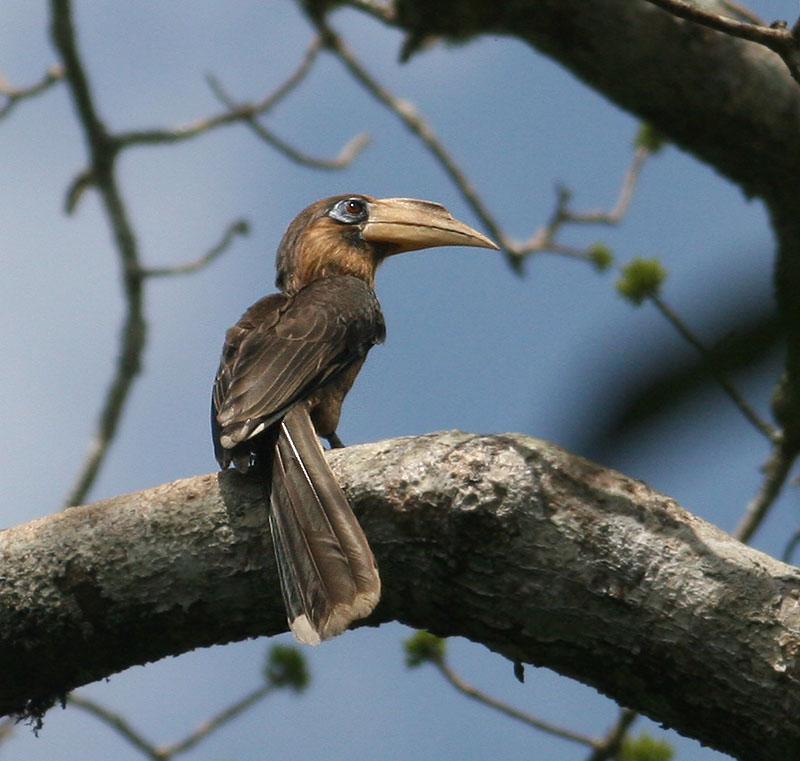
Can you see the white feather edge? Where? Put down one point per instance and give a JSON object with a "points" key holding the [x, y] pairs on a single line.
{"points": [[340, 618], [230, 440]]}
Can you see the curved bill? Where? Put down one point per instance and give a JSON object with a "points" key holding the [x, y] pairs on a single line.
{"points": [[408, 224]]}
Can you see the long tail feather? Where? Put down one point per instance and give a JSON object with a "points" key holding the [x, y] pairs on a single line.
{"points": [[327, 571]]}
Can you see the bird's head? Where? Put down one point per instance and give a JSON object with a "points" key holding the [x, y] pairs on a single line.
{"points": [[352, 234]]}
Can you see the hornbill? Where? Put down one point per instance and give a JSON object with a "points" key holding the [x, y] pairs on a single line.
{"points": [[285, 369]]}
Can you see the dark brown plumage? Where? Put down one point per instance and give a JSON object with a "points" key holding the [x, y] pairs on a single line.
{"points": [[286, 367]]}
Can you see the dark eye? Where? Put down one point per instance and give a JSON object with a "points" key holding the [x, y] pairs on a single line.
{"points": [[350, 211]]}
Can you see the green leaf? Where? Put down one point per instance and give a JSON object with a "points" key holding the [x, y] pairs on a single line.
{"points": [[286, 667], [647, 136], [601, 256], [640, 279], [423, 647], [645, 748]]}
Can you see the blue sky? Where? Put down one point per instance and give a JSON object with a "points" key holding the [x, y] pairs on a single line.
{"points": [[470, 345]]}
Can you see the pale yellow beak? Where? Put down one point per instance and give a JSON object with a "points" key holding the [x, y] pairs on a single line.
{"points": [[408, 224]]}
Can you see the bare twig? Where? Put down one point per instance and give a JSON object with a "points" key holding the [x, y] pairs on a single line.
{"points": [[247, 113], [166, 752], [239, 227], [102, 159], [383, 11], [215, 722], [350, 150], [744, 407], [11, 96], [409, 115], [119, 724], [776, 471], [544, 238], [240, 113], [104, 149], [476, 694], [615, 216], [609, 746], [777, 37], [791, 546]]}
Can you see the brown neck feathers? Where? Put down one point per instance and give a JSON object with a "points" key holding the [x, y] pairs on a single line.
{"points": [[325, 248]]}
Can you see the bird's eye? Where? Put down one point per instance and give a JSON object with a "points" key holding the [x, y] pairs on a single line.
{"points": [[350, 211]]}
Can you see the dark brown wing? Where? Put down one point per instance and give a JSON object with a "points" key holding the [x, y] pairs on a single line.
{"points": [[286, 347]]}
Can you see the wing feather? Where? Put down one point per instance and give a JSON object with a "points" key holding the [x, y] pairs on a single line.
{"points": [[286, 347]]}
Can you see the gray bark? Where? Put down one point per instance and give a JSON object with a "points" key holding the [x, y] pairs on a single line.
{"points": [[540, 555]]}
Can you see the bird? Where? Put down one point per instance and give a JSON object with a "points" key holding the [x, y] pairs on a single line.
{"points": [[285, 369]]}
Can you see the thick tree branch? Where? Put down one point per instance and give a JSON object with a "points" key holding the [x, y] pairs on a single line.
{"points": [[777, 37], [509, 541]]}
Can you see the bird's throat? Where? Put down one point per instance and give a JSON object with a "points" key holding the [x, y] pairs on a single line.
{"points": [[327, 254]]}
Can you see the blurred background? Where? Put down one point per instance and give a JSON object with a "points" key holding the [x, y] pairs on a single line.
{"points": [[553, 352]]}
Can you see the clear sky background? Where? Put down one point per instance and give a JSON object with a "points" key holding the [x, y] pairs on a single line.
{"points": [[471, 345]]}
